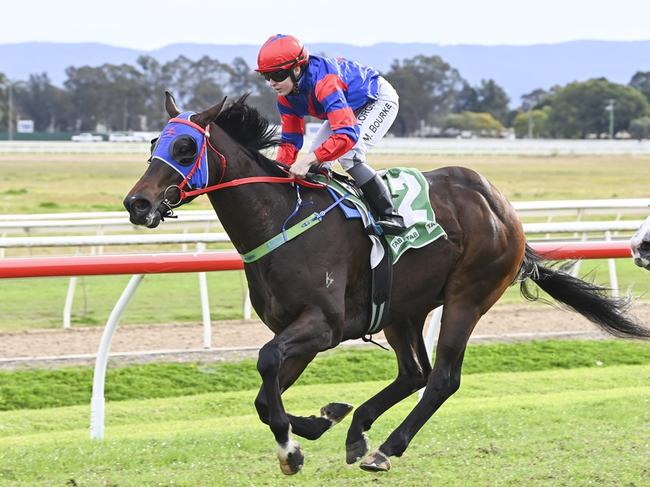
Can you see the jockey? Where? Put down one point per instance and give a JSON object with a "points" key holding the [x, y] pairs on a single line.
{"points": [[359, 107]]}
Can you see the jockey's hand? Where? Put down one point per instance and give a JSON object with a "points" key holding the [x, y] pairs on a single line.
{"points": [[300, 168]]}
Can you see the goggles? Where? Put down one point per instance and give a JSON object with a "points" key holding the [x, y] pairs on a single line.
{"points": [[277, 76]]}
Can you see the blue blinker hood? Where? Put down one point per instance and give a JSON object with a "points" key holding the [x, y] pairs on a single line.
{"points": [[163, 151]]}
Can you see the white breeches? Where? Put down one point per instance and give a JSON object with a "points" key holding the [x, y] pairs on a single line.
{"points": [[374, 118]]}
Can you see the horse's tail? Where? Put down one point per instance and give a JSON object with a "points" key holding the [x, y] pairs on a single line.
{"points": [[588, 299]]}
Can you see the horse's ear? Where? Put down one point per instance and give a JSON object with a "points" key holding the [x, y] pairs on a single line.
{"points": [[170, 105], [207, 116]]}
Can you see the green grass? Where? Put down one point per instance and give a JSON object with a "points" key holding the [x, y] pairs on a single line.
{"points": [[32, 389], [524, 178], [546, 424], [573, 427], [72, 180], [161, 298]]}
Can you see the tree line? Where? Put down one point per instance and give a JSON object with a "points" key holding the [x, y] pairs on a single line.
{"points": [[435, 99], [125, 97]]}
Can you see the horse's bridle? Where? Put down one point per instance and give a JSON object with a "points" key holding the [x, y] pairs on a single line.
{"points": [[183, 195]]}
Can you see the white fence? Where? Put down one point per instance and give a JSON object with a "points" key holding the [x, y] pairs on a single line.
{"points": [[576, 227], [206, 219], [100, 222], [511, 146], [389, 145]]}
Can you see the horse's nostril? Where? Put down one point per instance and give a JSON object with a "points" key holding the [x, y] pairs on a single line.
{"points": [[138, 205], [141, 205]]}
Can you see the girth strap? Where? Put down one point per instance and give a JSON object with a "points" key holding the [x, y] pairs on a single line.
{"points": [[382, 281]]}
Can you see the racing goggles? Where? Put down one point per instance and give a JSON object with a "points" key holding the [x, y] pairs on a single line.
{"points": [[277, 76]]}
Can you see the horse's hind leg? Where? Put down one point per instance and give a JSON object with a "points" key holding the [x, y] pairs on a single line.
{"points": [[475, 284], [413, 370], [443, 381], [311, 427]]}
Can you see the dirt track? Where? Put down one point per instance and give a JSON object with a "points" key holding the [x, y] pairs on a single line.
{"points": [[501, 323]]}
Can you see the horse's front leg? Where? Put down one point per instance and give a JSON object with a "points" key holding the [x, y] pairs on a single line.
{"points": [[311, 427], [309, 334]]}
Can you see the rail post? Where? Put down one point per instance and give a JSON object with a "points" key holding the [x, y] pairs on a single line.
{"points": [[97, 402], [205, 303]]}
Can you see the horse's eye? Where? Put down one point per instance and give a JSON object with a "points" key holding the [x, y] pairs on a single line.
{"points": [[184, 150]]}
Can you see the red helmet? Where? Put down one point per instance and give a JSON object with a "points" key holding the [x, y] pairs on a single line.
{"points": [[281, 52]]}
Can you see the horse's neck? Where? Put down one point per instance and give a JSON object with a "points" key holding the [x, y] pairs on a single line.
{"points": [[251, 213]]}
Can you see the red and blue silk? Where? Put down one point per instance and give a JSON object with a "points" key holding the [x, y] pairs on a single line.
{"points": [[331, 89]]}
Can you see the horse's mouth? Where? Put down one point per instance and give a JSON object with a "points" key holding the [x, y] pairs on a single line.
{"points": [[150, 220], [642, 262], [153, 219]]}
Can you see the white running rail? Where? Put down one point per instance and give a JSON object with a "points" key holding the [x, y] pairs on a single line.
{"points": [[101, 221]]}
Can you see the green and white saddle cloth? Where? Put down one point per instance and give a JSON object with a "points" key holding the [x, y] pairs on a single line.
{"points": [[410, 192]]}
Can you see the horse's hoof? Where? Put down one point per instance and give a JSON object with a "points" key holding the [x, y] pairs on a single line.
{"points": [[291, 462], [376, 462], [356, 451], [336, 411]]}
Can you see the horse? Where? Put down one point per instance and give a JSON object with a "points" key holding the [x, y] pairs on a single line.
{"points": [[640, 245], [313, 291]]}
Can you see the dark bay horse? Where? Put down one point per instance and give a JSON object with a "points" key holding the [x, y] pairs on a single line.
{"points": [[313, 292]]}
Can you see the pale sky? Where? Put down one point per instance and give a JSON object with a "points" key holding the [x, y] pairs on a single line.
{"points": [[152, 24]]}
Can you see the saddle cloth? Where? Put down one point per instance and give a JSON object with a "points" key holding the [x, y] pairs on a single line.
{"points": [[410, 193]]}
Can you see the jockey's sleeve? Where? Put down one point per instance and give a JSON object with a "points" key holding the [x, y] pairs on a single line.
{"points": [[330, 94], [287, 153], [293, 128]]}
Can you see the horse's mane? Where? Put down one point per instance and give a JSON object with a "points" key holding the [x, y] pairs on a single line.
{"points": [[250, 129]]}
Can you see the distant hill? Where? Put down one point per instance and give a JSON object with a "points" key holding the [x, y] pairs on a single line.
{"points": [[518, 69]]}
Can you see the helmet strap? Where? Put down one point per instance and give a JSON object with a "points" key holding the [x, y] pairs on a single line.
{"points": [[295, 79], [293, 76]]}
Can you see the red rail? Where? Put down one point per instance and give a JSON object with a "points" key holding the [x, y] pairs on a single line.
{"points": [[120, 264], [584, 250], [226, 261]]}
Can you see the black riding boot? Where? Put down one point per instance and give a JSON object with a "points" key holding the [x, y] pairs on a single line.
{"points": [[379, 199]]}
